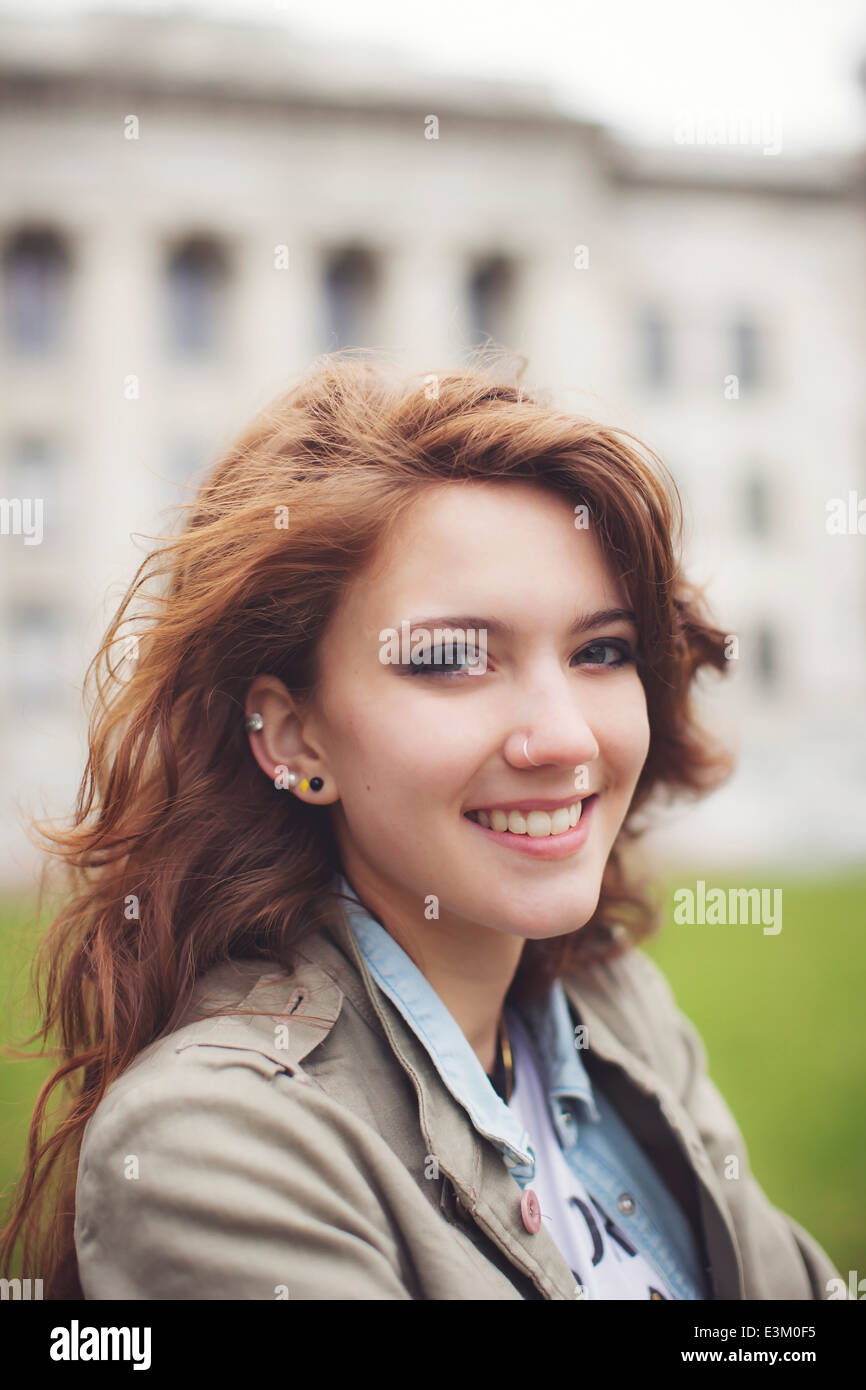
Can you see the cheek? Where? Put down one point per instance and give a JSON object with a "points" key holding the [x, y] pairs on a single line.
{"points": [[623, 735], [394, 746]]}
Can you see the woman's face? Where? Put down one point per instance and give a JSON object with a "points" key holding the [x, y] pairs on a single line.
{"points": [[407, 750]]}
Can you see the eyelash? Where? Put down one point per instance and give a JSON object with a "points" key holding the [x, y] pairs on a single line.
{"points": [[628, 657]]}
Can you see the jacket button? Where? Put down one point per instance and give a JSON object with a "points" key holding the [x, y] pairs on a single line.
{"points": [[530, 1211], [625, 1203]]}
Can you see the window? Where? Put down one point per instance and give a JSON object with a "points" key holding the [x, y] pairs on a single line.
{"points": [[35, 471], [756, 504], [490, 295], [656, 347], [746, 351], [197, 278], [183, 457], [36, 641], [766, 662], [350, 286], [36, 268]]}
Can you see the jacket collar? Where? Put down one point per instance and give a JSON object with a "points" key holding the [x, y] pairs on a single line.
{"points": [[548, 1021]]}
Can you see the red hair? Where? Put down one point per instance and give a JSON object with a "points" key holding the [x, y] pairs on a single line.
{"points": [[176, 856]]}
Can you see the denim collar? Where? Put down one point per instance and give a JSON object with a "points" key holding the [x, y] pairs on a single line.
{"points": [[548, 1021]]}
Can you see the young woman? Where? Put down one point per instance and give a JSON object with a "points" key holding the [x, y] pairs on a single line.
{"points": [[349, 983]]}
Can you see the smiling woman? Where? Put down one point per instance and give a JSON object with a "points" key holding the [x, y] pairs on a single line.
{"points": [[348, 984]]}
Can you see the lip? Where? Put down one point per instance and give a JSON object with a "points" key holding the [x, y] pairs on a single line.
{"points": [[543, 846]]}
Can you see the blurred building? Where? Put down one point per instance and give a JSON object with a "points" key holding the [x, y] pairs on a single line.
{"points": [[193, 211]]}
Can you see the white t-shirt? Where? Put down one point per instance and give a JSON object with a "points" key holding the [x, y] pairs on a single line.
{"points": [[597, 1260]]}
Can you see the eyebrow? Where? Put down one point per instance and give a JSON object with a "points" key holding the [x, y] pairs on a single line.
{"points": [[584, 622]]}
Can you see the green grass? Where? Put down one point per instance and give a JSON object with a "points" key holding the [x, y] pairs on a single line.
{"points": [[783, 1023], [20, 1080], [781, 1016]]}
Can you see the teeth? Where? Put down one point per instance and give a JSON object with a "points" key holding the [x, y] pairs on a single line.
{"points": [[533, 823]]}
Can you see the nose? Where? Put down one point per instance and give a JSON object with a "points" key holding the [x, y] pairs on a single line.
{"points": [[552, 730]]}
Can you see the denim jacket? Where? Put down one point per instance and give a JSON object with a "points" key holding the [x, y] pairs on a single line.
{"points": [[597, 1145]]}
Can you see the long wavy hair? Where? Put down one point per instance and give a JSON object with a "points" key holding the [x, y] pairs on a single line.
{"points": [[179, 853]]}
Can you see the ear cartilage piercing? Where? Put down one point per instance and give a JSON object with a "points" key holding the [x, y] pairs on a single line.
{"points": [[254, 723]]}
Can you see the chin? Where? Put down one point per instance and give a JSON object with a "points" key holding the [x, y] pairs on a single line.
{"points": [[542, 923], [539, 934]]}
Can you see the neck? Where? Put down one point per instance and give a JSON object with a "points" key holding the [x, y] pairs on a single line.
{"points": [[468, 965]]}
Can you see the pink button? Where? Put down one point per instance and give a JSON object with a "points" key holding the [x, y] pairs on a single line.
{"points": [[530, 1211]]}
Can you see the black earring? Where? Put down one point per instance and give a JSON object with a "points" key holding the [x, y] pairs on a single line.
{"points": [[316, 784]]}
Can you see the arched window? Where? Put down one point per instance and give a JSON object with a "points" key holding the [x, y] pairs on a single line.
{"points": [[490, 296], [197, 276], [36, 268], [350, 284]]}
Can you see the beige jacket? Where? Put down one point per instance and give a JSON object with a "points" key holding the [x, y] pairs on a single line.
{"points": [[305, 1147]]}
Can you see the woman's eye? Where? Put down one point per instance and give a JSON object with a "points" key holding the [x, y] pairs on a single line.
{"points": [[430, 663], [623, 650]]}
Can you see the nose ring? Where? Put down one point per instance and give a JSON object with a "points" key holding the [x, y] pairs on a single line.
{"points": [[526, 752]]}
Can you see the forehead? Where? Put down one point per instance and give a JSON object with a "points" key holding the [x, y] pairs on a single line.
{"points": [[491, 545]]}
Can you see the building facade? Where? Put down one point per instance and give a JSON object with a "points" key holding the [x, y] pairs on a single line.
{"points": [[192, 212]]}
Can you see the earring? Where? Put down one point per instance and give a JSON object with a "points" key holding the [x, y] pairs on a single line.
{"points": [[254, 723], [315, 784]]}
